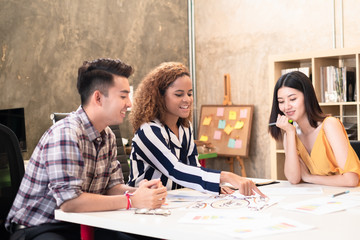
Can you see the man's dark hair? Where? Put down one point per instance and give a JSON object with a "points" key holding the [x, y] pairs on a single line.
{"points": [[98, 75]]}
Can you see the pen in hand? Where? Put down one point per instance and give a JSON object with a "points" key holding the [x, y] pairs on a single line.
{"points": [[274, 123], [340, 193]]}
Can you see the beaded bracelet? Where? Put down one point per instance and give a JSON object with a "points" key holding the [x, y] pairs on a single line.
{"points": [[127, 194]]}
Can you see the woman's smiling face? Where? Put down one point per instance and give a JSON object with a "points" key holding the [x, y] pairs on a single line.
{"points": [[179, 98], [291, 102]]}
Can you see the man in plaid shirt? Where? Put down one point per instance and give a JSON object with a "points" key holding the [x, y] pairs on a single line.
{"points": [[74, 165]]}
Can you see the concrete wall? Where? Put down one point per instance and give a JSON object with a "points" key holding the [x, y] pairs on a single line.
{"points": [[43, 43], [238, 36]]}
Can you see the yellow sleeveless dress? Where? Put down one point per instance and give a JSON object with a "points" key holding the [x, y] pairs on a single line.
{"points": [[321, 160]]}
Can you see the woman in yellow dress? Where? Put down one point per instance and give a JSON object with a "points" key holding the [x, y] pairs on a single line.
{"points": [[317, 149]]}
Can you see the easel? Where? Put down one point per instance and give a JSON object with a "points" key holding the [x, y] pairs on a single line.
{"points": [[227, 101]]}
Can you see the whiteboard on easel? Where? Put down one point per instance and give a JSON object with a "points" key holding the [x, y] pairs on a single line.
{"points": [[227, 128]]}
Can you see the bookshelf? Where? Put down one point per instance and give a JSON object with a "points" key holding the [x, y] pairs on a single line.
{"points": [[348, 112]]}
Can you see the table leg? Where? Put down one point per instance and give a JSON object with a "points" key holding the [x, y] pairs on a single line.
{"points": [[230, 161], [242, 165]]}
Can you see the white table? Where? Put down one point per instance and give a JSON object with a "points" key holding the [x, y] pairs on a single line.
{"points": [[338, 225]]}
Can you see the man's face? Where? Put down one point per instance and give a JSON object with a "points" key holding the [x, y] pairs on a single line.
{"points": [[117, 101]]}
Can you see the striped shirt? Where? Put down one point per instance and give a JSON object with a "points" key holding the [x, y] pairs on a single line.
{"points": [[158, 153], [71, 157]]}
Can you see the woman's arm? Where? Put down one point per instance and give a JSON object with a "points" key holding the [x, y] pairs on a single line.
{"points": [[150, 143], [292, 164], [245, 186], [348, 179], [340, 146]]}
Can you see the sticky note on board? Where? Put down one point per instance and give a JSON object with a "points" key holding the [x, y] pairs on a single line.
{"points": [[228, 129], [217, 135], [243, 113], [204, 138], [220, 112], [231, 143], [239, 125], [207, 121], [222, 124], [232, 115], [238, 143]]}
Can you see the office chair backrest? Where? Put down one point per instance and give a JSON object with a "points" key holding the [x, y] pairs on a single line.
{"points": [[121, 155], [58, 116], [356, 146], [11, 173]]}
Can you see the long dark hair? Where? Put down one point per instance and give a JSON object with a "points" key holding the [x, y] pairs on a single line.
{"points": [[301, 82]]}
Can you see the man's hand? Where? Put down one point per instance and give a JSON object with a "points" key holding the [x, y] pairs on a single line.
{"points": [[150, 194]]}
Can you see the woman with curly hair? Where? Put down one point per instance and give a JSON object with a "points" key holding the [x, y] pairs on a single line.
{"points": [[163, 146]]}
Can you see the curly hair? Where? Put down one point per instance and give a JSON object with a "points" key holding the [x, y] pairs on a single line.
{"points": [[149, 100]]}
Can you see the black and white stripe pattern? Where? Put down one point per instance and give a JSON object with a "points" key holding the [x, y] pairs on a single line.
{"points": [[158, 153]]}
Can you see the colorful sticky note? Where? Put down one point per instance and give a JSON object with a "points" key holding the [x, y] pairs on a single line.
{"points": [[228, 129], [204, 138], [243, 113], [222, 124], [217, 135], [239, 125], [238, 143], [231, 143], [220, 112], [207, 121], [232, 115]]}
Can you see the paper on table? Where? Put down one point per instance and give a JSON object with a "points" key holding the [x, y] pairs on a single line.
{"points": [[222, 202], [271, 226], [323, 205], [224, 217], [183, 198], [291, 190], [258, 182]]}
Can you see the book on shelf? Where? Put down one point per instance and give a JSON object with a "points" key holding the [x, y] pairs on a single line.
{"points": [[350, 85], [305, 70], [337, 84]]}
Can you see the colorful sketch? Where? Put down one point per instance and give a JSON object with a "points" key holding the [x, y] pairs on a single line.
{"points": [[198, 205], [230, 203], [322, 205], [262, 228]]}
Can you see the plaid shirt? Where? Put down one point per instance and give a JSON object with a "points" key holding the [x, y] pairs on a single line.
{"points": [[70, 158]]}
